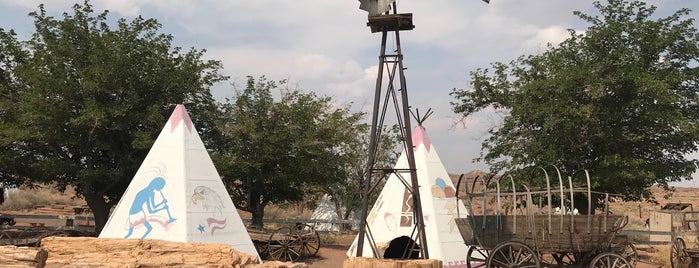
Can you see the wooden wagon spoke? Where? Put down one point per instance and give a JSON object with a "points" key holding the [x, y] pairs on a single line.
{"points": [[309, 249], [513, 254], [476, 257], [278, 254], [284, 245], [678, 254], [283, 253], [609, 260], [309, 240], [628, 251]]}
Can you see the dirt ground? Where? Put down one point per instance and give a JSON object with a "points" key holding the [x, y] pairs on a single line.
{"points": [[330, 256]]}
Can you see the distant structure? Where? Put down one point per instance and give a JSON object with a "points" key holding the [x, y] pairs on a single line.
{"points": [[177, 194], [326, 215], [672, 217]]}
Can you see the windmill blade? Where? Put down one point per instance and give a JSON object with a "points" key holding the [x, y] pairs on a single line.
{"points": [[375, 7]]}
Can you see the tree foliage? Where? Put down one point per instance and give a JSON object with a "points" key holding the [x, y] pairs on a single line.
{"points": [[619, 100], [345, 194], [278, 149], [82, 103]]}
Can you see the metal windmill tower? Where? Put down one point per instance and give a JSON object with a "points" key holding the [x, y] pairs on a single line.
{"points": [[382, 20]]}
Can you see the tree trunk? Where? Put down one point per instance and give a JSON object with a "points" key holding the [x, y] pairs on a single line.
{"points": [[346, 216], [100, 210], [257, 217], [338, 211], [257, 209]]}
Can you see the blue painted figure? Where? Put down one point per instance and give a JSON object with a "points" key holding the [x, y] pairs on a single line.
{"points": [[146, 197]]}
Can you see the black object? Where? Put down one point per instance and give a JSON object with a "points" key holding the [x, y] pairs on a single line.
{"points": [[7, 220], [402, 248]]}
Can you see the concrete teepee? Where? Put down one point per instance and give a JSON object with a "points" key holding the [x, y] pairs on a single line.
{"points": [[391, 215], [177, 194]]}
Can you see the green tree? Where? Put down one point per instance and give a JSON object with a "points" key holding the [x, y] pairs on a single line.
{"points": [[83, 103], [619, 100], [345, 193], [276, 150]]}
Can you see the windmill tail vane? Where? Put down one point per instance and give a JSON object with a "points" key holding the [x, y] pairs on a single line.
{"points": [[376, 7]]}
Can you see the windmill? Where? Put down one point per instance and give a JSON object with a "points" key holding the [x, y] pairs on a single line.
{"points": [[381, 20]]}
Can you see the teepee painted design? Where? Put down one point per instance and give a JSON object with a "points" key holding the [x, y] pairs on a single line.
{"points": [[177, 194], [391, 216]]}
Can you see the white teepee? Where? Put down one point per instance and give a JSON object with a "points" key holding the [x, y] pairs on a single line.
{"points": [[392, 215], [177, 194], [326, 214]]}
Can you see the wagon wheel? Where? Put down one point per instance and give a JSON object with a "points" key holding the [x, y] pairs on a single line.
{"points": [[284, 245], [261, 248], [609, 260], [513, 254], [678, 254], [628, 251], [310, 240], [476, 257], [6, 239]]}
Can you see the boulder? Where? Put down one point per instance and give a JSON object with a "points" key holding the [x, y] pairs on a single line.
{"points": [[362, 262], [115, 252], [22, 257]]}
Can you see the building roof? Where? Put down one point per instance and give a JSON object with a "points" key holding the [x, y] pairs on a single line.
{"points": [[676, 206]]}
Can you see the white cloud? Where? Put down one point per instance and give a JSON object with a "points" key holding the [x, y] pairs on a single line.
{"points": [[127, 8], [343, 79], [540, 37], [33, 4], [121, 7]]}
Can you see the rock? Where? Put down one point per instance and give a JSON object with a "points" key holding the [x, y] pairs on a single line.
{"points": [[361, 262], [22, 257], [115, 252]]}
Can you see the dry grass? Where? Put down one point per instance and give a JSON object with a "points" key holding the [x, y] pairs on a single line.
{"points": [[290, 212], [661, 256], [26, 199], [337, 239]]}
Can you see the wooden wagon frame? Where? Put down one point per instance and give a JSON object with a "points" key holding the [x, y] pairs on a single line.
{"points": [[288, 243], [684, 251], [542, 238]]}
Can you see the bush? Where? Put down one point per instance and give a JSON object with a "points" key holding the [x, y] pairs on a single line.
{"points": [[24, 199]]}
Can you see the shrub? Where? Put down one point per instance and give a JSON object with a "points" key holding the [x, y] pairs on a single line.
{"points": [[24, 199]]}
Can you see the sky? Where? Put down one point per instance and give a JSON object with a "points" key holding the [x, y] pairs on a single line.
{"points": [[326, 47]]}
